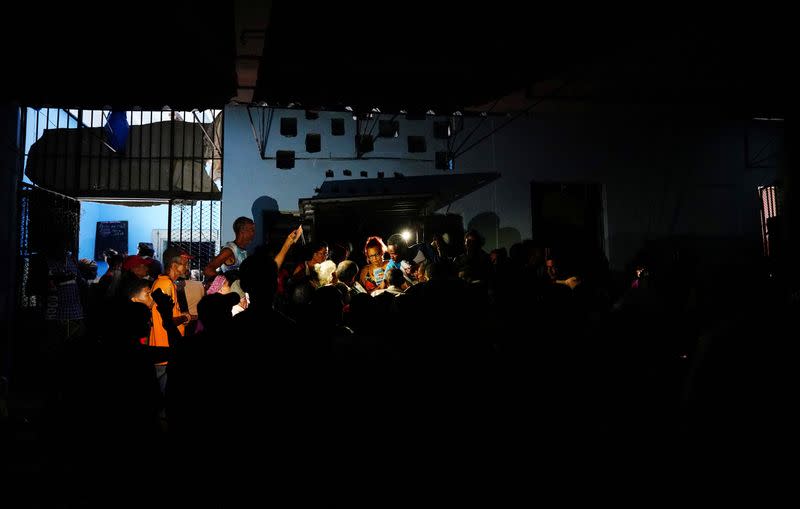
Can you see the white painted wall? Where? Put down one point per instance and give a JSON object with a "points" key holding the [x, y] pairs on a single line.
{"points": [[662, 176]]}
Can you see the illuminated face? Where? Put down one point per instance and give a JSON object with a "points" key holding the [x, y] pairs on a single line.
{"points": [[374, 256], [144, 297], [183, 266], [320, 256], [394, 253], [550, 266]]}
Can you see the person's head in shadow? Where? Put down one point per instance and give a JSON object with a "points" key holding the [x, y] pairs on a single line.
{"points": [[244, 229], [214, 311], [113, 259], [473, 242], [498, 256], [440, 242], [363, 319], [131, 323], [146, 249], [518, 255], [258, 276], [395, 278], [340, 251], [441, 270], [325, 308], [87, 269], [346, 272]]}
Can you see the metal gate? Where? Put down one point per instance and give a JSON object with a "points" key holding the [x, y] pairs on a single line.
{"points": [[130, 156], [194, 226], [45, 218]]}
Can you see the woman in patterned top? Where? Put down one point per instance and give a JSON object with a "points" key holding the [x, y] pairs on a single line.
{"points": [[373, 274]]}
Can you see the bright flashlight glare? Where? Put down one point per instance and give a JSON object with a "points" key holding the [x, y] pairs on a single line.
{"points": [[406, 235]]}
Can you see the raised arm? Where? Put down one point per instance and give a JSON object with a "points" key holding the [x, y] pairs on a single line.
{"points": [[287, 244], [213, 265], [164, 305]]}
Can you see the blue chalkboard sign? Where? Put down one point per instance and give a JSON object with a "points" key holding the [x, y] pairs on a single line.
{"points": [[110, 234]]}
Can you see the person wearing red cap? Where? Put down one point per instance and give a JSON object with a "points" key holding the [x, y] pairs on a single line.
{"points": [[134, 268], [137, 264]]}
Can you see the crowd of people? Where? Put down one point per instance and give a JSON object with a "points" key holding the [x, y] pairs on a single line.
{"points": [[309, 347]]}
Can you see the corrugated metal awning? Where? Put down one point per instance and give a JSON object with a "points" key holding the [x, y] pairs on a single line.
{"points": [[393, 196], [167, 159]]}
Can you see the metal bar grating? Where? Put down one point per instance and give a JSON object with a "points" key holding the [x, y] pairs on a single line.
{"points": [[131, 154], [44, 218], [769, 208], [194, 226]]}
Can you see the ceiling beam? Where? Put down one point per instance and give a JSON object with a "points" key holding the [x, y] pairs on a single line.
{"points": [[251, 22]]}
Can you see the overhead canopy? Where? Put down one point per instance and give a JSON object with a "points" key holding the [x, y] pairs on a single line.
{"points": [[162, 160], [393, 196]]}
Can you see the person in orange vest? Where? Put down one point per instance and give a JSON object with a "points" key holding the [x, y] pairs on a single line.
{"points": [[175, 265]]}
